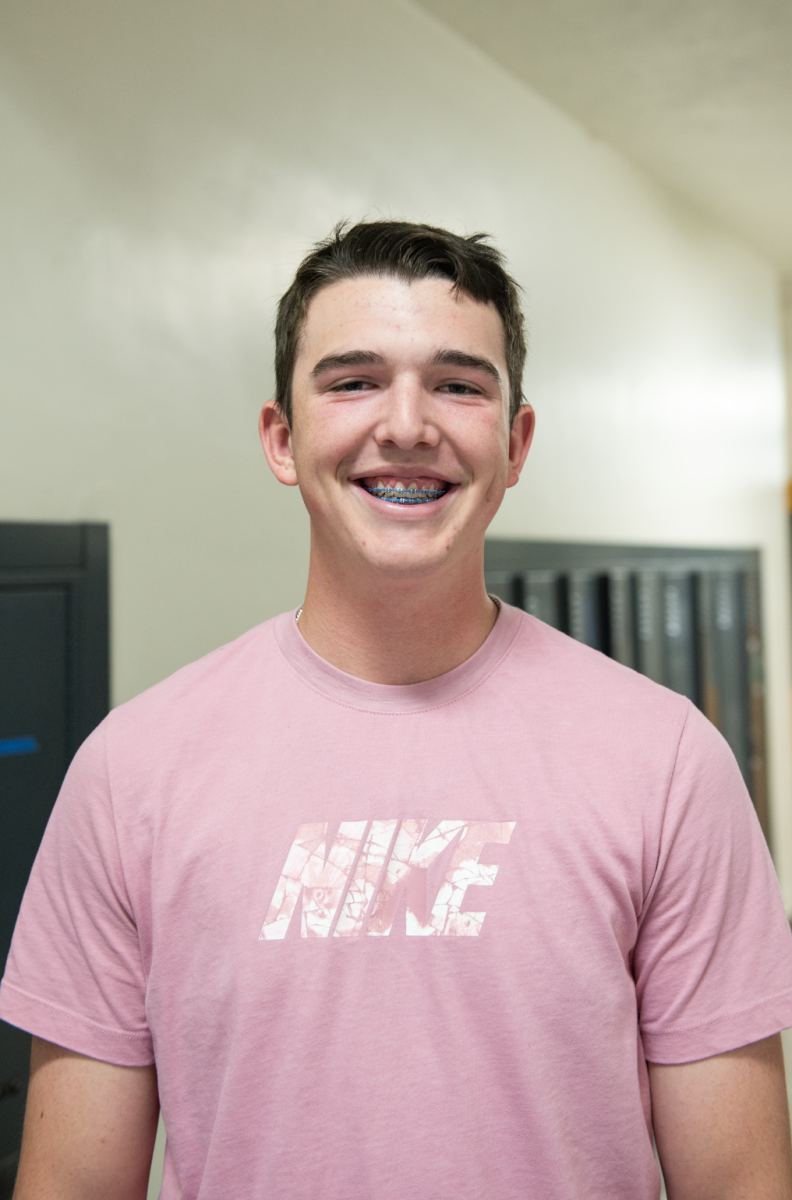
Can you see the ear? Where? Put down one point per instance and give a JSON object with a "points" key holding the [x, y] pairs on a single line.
{"points": [[520, 438], [277, 442]]}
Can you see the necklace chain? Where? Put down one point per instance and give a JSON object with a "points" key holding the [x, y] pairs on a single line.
{"points": [[495, 600]]}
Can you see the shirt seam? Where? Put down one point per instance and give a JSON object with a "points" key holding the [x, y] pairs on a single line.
{"points": [[122, 865], [671, 777], [737, 1012], [122, 1033]]}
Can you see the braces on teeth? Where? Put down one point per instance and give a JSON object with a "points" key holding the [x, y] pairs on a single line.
{"points": [[407, 495]]}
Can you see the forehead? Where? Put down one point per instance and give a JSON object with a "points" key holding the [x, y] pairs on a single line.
{"points": [[396, 317]]}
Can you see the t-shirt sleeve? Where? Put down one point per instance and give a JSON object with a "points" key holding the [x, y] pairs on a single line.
{"points": [[713, 957], [74, 974]]}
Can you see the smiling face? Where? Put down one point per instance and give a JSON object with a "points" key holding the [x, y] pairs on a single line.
{"points": [[400, 439]]}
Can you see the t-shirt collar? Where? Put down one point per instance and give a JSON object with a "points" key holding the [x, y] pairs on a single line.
{"points": [[361, 694]]}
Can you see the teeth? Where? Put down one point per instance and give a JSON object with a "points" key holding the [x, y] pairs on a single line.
{"points": [[411, 493]]}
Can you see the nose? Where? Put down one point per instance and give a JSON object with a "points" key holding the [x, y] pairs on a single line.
{"points": [[407, 417]]}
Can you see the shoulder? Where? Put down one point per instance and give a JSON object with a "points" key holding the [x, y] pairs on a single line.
{"points": [[190, 710], [604, 719], [228, 667], [585, 682]]}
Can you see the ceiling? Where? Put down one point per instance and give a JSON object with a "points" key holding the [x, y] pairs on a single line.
{"points": [[699, 92]]}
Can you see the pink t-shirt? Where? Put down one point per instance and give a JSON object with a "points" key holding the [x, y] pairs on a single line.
{"points": [[526, 876]]}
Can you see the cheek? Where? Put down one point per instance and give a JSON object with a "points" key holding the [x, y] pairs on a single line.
{"points": [[315, 449], [332, 438], [484, 442]]}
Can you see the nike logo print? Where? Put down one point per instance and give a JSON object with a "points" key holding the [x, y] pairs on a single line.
{"points": [[355, 887]]}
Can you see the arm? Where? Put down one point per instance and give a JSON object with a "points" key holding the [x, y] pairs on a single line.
{"points": [[89, 1128], [722, 1125]]}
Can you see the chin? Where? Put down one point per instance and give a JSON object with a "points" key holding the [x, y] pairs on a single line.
{"points": [[408, 563]]}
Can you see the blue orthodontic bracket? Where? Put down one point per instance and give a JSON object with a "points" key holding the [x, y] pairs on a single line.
{"points": [[419, 496]]}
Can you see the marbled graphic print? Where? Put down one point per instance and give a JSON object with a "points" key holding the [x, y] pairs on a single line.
{"points": [[466, 871], [363, 887], [372, 878], [318, 877], [407, 872]]}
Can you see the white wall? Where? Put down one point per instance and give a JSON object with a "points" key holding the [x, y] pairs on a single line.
{"points": [[165, 166], [785, 296]]}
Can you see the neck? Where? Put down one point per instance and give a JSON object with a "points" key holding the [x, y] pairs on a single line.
{"points": [[393, 630]]}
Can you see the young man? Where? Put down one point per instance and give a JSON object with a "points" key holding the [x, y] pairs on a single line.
{"points": [[405, 896]]}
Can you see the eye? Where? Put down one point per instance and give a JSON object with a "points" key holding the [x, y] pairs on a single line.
{"points": [[457, 388], [351, 385]]}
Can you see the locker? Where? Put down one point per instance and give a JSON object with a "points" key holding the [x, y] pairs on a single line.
{"points": [[54, 689]]}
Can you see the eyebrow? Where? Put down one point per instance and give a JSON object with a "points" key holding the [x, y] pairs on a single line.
{"points": [[352, 358], [458, 358], [443, 358]]}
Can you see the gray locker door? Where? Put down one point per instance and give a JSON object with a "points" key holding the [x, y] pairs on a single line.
{"points": [[33, 749]]}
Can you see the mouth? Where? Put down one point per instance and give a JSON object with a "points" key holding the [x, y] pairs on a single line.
{"points": [[395, 490]]}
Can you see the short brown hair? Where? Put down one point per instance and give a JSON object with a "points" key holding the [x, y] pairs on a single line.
{"points": [[407, 251]]}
